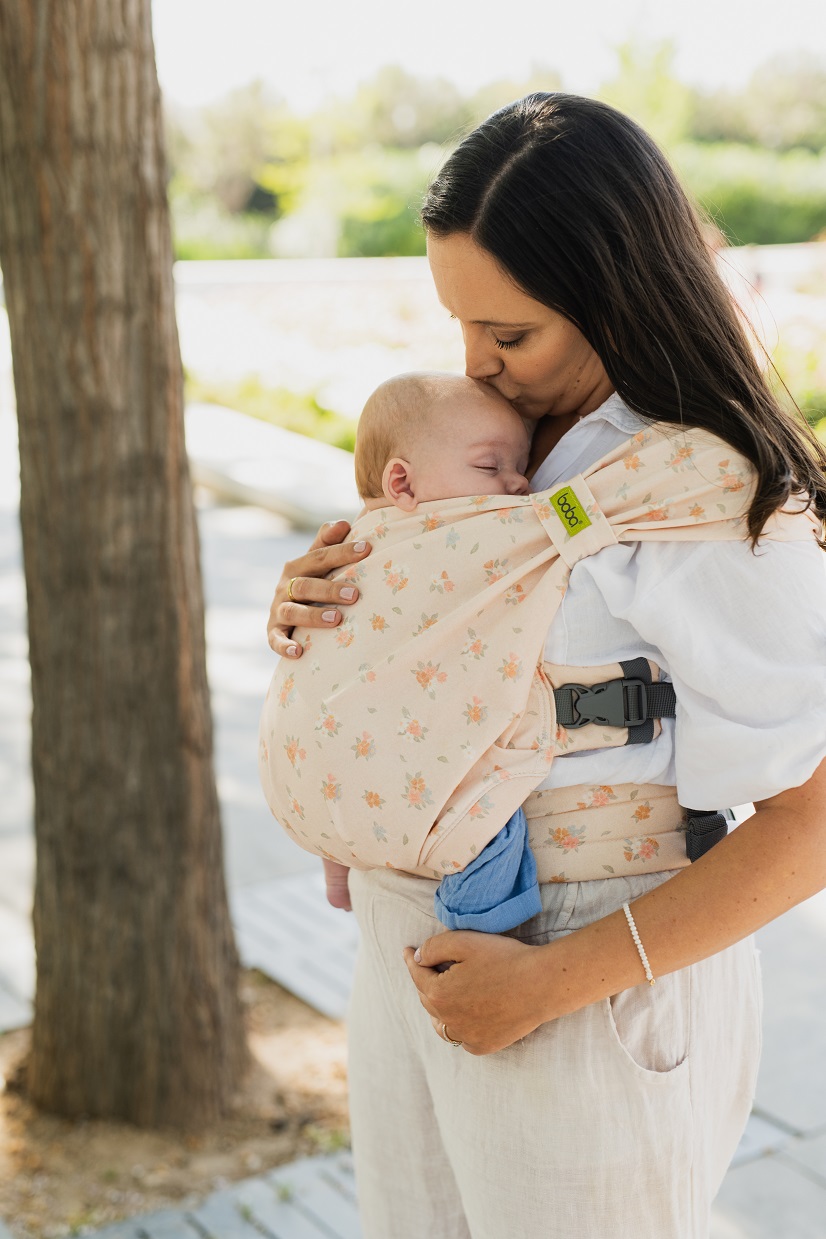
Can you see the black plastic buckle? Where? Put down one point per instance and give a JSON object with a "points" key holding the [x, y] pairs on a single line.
{"points": [[613, 703]]}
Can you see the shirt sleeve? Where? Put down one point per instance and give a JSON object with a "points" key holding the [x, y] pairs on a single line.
{"points": [[743, 638]]}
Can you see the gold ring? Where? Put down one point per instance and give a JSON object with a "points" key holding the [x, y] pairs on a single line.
{"points": [[290, 593], [447, 1037]]}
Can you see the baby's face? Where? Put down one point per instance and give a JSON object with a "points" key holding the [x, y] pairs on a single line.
{"points": [[478, 446]]}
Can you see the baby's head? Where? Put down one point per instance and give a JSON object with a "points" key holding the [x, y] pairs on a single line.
{"points": [[439, 436]]}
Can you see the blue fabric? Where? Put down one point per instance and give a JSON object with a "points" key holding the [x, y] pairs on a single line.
{"points": [[498, 890]]}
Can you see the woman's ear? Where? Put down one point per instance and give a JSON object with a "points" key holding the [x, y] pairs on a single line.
{"points": [[396, 482]]}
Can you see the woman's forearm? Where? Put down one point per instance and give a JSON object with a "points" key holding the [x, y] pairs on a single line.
{"points": [[767, 865]]}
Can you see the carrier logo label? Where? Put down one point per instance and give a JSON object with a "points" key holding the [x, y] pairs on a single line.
{"points": [[570, 511]]}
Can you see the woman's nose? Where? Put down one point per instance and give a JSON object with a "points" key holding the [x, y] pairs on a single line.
{"points": [[481, 361]]}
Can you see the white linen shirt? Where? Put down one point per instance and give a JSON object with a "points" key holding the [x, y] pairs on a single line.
{"points": [[741, 635]]}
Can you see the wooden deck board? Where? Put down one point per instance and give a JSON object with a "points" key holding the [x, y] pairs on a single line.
{"points": [[220, 1217], [279, 1219], [286, 928]]}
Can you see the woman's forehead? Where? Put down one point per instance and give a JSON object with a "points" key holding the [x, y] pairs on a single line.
{"points": [[471, 284]]}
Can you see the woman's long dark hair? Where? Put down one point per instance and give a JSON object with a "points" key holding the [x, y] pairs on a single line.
{"points": [[580, 207]]}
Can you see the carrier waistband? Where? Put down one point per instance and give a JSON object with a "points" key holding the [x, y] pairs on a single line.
{"points": [[579, 834]]}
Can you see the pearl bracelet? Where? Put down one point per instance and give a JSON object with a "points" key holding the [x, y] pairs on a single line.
{"points": [[635, 934]]}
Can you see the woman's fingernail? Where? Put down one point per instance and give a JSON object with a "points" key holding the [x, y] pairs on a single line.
{"points": [[348, 592], [329, 617], [359, 546], [417, 954], [292, 651]]}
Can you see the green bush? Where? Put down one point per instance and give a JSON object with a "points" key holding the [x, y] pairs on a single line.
{"points": [[756, 197], [291, 410], [201, 229]]}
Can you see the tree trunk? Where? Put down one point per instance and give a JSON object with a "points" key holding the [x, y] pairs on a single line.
{"points": [[136, 1010]]}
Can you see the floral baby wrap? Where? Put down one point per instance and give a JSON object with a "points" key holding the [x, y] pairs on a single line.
{"points": [[407, 736]]}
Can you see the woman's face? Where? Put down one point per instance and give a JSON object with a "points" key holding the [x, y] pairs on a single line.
{"points": [[532, 355]]}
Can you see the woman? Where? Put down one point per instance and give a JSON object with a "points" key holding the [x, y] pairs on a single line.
{"points": [[583, 1102]]}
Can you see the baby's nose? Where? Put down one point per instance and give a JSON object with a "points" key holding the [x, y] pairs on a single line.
{"points": [[518, 485]]}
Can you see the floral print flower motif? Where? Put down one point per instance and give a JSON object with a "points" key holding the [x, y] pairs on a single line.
{"points": [[427, 674], [543, 509], [543, 745], [452, 539], [380, 531], [731, 479], [378, 623], [642, 811], [509, 516], [478, 501], [515, 595], [681, 456], [442, 583], [417, 794], [598, 796], [568, 838], [475, 647], [475, 712], [373, 800], [263, 750], [395, 577], [411, 728], [297, 808], [431, 522], [482, 807], [327, 722], [427, 621], [511, 668], [656, 513], [632, 461], [563, 740], [365, 746], [345, 635], [640, 849], [330, 789], [294, 752], [366, 673], [379, 832], [697, 511], [286, 694], [495, 569]]}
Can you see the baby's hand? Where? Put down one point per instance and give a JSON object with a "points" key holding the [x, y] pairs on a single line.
{"points": [[338, 892]]}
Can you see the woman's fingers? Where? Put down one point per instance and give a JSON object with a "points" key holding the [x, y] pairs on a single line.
{"points": [[304, 597]]}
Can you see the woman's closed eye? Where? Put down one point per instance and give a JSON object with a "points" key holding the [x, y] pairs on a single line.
{"points": [[508, 343]]}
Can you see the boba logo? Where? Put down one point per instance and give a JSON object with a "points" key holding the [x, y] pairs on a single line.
{"points": [[571, 512]]}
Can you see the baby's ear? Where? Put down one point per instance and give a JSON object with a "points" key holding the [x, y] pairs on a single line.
{"points": [[396, 482]]}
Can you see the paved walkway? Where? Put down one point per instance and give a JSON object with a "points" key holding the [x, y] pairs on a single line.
{"points": [[776, 1190]]}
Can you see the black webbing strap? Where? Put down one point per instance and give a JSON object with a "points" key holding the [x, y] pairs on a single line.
{"points": [[704, 828], [630, 701], [633, 701]]}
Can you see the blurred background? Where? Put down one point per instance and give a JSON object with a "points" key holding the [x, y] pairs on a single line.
{"points": [[310, 134]]}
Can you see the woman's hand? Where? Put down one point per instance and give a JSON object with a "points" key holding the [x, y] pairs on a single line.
{"points": [[492, 994], [309, 588]]}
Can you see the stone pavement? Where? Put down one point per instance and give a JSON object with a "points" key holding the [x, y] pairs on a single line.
{"points": [[776, 1189]]}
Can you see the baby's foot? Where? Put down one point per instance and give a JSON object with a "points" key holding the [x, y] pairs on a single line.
{"points": [[338, 892]]}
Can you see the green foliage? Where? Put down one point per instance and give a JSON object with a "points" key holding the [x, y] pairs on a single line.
{"points": [[782, 107], [250, 179], [647, 90], [757, 197], [291, 410], [201, 229]]}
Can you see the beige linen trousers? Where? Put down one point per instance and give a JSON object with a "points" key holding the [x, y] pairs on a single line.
{"points": [[615, 1122]]}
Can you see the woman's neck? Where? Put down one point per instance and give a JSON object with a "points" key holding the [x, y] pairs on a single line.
{"points": [[549, 430]]}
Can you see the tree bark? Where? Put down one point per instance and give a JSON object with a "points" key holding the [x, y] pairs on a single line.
{"points": [[136, 1010]]}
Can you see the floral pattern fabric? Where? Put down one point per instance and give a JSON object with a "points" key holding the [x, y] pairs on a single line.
{"points": [[407, 736]]}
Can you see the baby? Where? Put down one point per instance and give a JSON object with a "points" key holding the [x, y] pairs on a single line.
{"points": [[429, 436]]}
